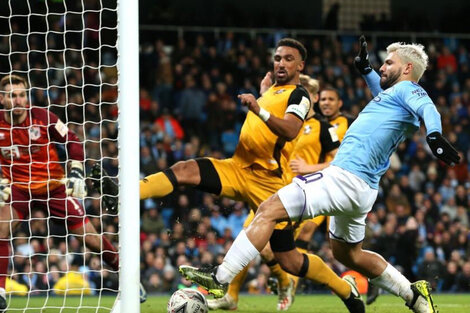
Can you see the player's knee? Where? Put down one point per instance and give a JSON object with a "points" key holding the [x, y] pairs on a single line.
{"points": [[272, 209], [267, 254], [346, 256], [290, 262], [186, 172]]}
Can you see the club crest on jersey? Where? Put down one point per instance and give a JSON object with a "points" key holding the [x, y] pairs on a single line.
{"points": [[307, 129], [279, 91], [34, 132]]}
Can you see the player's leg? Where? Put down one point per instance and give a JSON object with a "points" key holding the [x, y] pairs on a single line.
{"points": [[417, 295], [10, 216], [97, 243], [190, 172], [313, 268], [285, 285], [302, 235], [244, 249], [230, 300]]}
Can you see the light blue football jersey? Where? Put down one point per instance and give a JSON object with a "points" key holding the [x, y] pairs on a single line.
{"points": [[391, 116]]}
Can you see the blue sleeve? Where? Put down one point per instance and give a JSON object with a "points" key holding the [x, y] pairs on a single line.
{"points": [[373, 82], [416, 99]]}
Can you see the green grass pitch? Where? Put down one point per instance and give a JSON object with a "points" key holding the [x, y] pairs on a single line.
{"points": [[303, 304]]}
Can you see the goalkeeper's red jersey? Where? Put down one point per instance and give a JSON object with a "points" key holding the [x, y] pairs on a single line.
{"points": [[28, 151]]}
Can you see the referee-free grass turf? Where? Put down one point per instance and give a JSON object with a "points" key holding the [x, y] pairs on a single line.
{"points": [[447, 303]]}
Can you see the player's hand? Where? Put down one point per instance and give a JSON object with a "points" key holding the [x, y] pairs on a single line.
{"points": [[442, 149], [361, 62], [76, 181], [104, 185], [298, 165], [250, 101], [266, 83], [5, 191]]}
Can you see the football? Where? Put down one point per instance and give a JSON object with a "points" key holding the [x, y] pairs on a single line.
{"points": [[187, 301]]}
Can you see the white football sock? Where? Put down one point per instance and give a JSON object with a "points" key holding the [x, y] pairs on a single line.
{"points": [[238, 256], [394, 282]]}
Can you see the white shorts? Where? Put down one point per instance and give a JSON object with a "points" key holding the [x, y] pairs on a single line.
{"points": [[333, 192]]}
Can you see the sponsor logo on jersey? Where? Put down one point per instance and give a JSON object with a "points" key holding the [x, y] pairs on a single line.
{"points": [[12, 152], [279, 91], [34, 132], [61, 128], [307, 129]]}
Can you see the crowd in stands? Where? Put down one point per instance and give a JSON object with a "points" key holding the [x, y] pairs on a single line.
{"points": [[189, 108], [420, 222]]}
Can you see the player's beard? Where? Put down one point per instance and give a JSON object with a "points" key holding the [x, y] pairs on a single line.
{"points": [[389, 80], [284, 80]]}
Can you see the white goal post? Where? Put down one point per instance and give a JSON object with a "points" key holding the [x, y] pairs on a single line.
{"points": [[128, 49], [80, 60]]}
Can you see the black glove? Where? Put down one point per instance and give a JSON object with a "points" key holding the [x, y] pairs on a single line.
{"points": [[361, 62], [109, 190], [442, 149]]}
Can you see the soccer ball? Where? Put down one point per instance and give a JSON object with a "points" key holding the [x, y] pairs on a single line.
{"points": [[187, 301]]}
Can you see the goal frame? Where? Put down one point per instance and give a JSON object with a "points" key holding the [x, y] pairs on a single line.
{"points": [[128, 104]]}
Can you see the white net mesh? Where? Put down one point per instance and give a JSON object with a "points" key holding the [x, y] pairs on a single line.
{"points": [[66, 51]]}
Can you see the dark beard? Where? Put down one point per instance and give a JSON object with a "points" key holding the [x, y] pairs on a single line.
{"points": [[389, 81], [283, 81]]}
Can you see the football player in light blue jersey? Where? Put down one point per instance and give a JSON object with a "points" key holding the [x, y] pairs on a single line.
{"points": [[347, 189]]}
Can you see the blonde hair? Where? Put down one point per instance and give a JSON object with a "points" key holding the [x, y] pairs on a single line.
{"points": [[411, 53], [13, 80], [312, 85]]}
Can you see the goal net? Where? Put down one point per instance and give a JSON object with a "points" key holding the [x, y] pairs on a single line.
{"points": [[67, 52]]}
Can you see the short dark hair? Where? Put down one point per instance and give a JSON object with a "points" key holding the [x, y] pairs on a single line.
{"points": [[13, 80], [290, 42], [336, 91]]}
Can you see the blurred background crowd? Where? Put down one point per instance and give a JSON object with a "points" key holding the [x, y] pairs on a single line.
{"points": [[188, 107]]}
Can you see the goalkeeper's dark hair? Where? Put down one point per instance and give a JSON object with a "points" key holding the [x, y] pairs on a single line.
{"points": [[12, 79], [290, 42]]}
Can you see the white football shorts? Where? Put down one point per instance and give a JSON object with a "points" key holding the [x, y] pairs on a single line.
{"points": [[333, 192]]}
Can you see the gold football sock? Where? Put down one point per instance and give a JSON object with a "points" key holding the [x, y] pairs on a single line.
{"points": [[320, 273], [237, 283], [295, 279], [156, 185], [280, 274]]}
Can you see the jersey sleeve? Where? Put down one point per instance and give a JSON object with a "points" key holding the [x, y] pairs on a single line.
{"points": [[298, 103], [59, 132], [373, 82], [414, 98], [328, 138]]}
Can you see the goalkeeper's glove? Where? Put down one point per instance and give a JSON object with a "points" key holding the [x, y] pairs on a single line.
{"points": [[104, 185], [361, 62], [76, 186], [5, 191], [442, 149]]}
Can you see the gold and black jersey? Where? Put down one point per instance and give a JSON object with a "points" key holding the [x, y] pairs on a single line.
{"points": [[316, 138], [258, 144], [341, 123]]}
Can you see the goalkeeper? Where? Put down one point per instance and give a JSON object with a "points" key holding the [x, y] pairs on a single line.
{"points": [[34, 177]]}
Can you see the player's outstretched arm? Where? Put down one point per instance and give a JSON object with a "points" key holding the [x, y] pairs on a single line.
{"points": [[287, 127], [442, 149], [363, 66]]}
